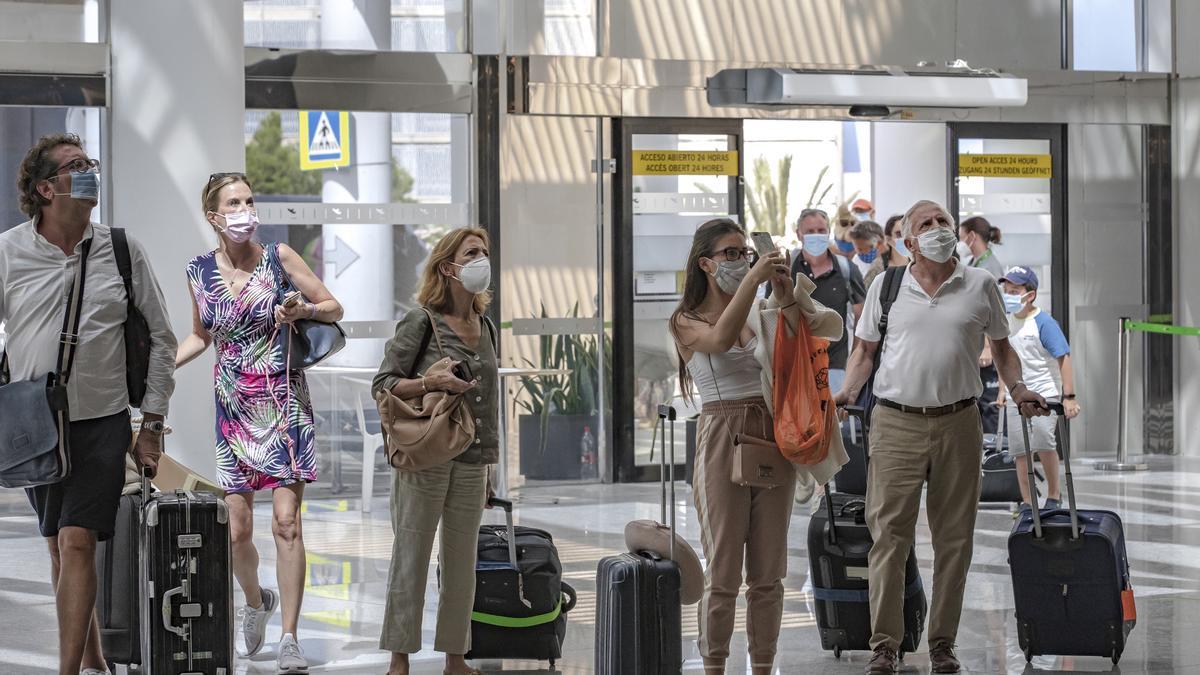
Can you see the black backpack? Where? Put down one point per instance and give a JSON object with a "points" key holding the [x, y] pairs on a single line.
{"points": [[137, 330], [892, 281]]}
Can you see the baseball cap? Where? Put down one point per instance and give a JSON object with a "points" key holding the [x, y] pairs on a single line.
{"points": [[1021, 276], [862, 205]]}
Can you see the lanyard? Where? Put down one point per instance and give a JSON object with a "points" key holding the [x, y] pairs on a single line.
{"points": [[984, 256]]}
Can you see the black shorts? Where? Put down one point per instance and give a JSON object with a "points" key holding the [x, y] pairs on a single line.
{"points": [[89, 497]]}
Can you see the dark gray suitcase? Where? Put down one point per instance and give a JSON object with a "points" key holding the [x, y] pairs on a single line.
{"points": [[118, 587], [639, 626], [1070, 571], [187, 608]]}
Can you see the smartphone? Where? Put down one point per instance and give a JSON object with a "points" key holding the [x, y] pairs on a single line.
{"points": [[462, 372], [292, 299], [763, 243]]}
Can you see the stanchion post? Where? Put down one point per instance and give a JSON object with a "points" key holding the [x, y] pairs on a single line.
{"points": [[1122, 463]]}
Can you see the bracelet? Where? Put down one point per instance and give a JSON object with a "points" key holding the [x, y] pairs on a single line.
{"points": [[423, 387], [312, 311], [1014, 385], [1069, 397]]}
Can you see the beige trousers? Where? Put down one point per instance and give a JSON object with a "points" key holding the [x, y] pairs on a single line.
{"points": [[907, 451], [739, 526], [454, 495]]}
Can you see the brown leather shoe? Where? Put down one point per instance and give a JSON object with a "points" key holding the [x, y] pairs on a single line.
{"points": [[884, 662], [941, 656]]}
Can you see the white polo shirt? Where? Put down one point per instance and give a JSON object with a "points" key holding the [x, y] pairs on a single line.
{"points": [[931, 352]]}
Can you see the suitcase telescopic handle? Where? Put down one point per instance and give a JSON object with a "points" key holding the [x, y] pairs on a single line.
{"points": [[667, 467], [507, 506], [1065, 449]]}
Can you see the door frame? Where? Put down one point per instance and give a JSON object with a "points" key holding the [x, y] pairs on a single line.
{"points": [[1056, 134], [624, 466]]}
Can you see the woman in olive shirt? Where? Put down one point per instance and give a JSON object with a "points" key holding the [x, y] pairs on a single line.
{"points": [[454, 289]]}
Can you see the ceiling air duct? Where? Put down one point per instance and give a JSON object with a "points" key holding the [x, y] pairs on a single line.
{"points": [[870, 89]]}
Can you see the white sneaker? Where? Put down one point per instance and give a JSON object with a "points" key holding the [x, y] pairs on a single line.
{"points": [[254, 622], [291, 657]]}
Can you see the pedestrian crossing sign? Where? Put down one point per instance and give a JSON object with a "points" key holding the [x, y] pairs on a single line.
{"points": [[324, 139]]}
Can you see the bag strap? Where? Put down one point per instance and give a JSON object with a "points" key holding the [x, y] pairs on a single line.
{"points": [[412, 372], [843, 266], [68, 340], [437, 335], [888, 295], [491, 327], [272, 253], [124, 264]]}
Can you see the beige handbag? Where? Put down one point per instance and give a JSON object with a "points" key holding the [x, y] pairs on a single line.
{"points": [[426, 430], [757, 462]]}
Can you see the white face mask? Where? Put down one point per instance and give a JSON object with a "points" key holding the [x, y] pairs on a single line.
{"points": [[937, 244], [730, 273], [476, 275], [963, 250]]}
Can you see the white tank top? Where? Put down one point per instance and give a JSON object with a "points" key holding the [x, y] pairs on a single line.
{"points": [[737, 372]]}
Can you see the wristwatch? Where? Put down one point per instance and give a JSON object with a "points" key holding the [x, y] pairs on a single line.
{"points": [[1069, 397], [156, 427]]}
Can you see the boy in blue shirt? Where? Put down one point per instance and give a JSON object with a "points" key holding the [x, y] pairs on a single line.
{"points": [[1046, 368]]}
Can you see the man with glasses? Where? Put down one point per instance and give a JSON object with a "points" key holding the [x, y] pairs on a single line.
{"points": [[839, 284], [39, 259]]}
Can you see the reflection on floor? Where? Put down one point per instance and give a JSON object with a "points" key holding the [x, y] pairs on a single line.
{"points": [[349, 551]]}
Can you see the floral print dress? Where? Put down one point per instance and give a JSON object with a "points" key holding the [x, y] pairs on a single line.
{"points": [[264, 431]]}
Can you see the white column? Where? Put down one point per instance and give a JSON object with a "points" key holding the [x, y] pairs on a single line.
{"points": [[177, 115], [1185, 126], [364, 286]]}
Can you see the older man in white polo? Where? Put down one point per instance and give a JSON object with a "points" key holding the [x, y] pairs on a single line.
{"points": [[925, 427]]}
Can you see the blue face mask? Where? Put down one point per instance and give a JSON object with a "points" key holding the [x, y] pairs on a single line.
{"points": [[1013, 303], [870, 256], [845, 246], [899, 247], [84, 185], [816, 244]]}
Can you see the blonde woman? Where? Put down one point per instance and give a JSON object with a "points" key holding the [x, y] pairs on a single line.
{"points": [[454, 291], [264, 427]]}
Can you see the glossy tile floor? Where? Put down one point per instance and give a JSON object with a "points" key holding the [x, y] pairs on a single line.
{"points": [[348, 561]]}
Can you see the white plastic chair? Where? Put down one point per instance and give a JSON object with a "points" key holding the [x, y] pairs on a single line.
{"points": [[370, 441]]}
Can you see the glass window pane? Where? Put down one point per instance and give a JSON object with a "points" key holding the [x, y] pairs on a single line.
{"points": [[61, 21], [1104, 34], [553, 27], [370, 258], [21, 128], [406, 25]]}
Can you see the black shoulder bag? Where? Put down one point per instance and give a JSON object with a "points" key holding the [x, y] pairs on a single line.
{"points": [[137, 330], [311, 341], [35, 424]]}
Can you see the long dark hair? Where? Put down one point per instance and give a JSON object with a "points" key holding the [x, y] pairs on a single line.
{"points": [[893, 223], [695, 285]]}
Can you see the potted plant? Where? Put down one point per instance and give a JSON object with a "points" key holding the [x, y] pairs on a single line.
{"points": [[561, 415]]}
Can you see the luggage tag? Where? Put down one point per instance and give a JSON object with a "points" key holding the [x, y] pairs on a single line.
{"points": [[1128, 608]]}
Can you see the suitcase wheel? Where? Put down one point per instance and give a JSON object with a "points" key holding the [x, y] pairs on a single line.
{"points": [[837, 652], [1028, 654]]}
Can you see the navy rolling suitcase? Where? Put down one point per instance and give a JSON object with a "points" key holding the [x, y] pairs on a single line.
{"points": [[521, 601], [838, 545], [639, 628], [1070, 575], [186, 584]]}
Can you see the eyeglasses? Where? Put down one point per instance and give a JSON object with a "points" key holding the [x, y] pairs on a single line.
{"points": [[733, 253], [78, 165], [226, 174]]}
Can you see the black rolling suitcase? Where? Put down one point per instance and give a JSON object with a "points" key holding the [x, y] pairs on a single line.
{"points": [[521, 602], [999, 480], [838, 545], [851, 479], [1070, 575], [187, 585], [119, 587], [639, 629]]}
